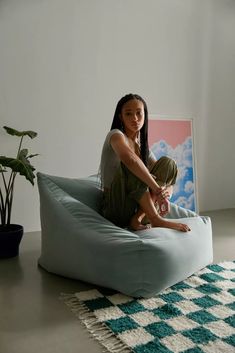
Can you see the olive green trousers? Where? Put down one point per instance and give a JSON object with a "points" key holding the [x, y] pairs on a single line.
{"points": [[120, 202]]}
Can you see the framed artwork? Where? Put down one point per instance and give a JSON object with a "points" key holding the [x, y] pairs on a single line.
{"points": [[174, 138]]}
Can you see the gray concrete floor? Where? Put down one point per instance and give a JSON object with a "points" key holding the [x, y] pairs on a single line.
{"points": [[33, 319]]}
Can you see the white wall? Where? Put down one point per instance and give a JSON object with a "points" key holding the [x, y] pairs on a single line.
{"points": [[65, 64], [218, 167]]}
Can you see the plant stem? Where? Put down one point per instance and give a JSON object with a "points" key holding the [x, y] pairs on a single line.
{"points": [[7, 206], [4, 180], [3, 205], [21, 140], [10, 199], [7, 209]]}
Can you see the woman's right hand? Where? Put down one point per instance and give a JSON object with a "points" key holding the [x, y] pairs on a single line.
{"points": [[162, 197]]}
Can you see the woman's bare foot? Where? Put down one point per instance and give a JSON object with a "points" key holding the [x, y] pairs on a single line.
{"points": [[146, 203], [135, 224], [159, 222]]}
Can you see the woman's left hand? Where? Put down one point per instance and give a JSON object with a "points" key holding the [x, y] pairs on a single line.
{"points": [[164, 207], [165, 194]]}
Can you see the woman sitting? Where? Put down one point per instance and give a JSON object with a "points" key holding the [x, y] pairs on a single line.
{"points": [[136, 187]]}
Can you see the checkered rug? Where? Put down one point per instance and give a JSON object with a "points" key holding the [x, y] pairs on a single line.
{"points": [[193, 316]]}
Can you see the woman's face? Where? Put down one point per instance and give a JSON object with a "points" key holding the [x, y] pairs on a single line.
{"points": [[132, 116]]}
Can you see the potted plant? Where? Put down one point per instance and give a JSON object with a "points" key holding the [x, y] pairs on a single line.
{"points": [[11, 234]]}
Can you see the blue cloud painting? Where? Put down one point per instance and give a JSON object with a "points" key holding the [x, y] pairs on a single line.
{"points": [[184, 189]]}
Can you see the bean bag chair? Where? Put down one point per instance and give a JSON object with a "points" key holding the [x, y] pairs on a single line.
{"points": [[77, 242]]}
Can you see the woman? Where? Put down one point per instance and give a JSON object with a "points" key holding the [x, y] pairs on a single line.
{"points": [[131, 192]]}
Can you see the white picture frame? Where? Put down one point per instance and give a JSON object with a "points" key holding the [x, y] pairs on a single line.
{"points": [[174, 137]]}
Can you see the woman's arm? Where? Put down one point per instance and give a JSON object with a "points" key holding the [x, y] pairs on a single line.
{"points": [[132, 161], [151, 160]]}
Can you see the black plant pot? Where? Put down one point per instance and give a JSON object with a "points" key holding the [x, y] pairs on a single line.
{"points": [[10, 238]]}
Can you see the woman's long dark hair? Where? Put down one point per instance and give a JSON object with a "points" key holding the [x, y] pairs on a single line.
{"points": [[117, 124]]}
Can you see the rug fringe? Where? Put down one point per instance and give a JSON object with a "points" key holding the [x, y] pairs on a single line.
{"points": [[98, 330]]}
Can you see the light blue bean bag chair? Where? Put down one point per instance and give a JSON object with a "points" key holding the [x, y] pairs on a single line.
{"points": [[77, 242]]}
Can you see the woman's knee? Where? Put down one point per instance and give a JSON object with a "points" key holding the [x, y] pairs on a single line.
{"points": [[165, 171]]}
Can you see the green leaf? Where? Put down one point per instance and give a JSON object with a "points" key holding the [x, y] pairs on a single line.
{"points": [[19, 165], [14, 132], [23, 153], [1, 169], [33, 155]]}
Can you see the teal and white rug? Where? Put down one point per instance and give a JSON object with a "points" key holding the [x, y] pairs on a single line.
{"points": [[193, 316]]}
